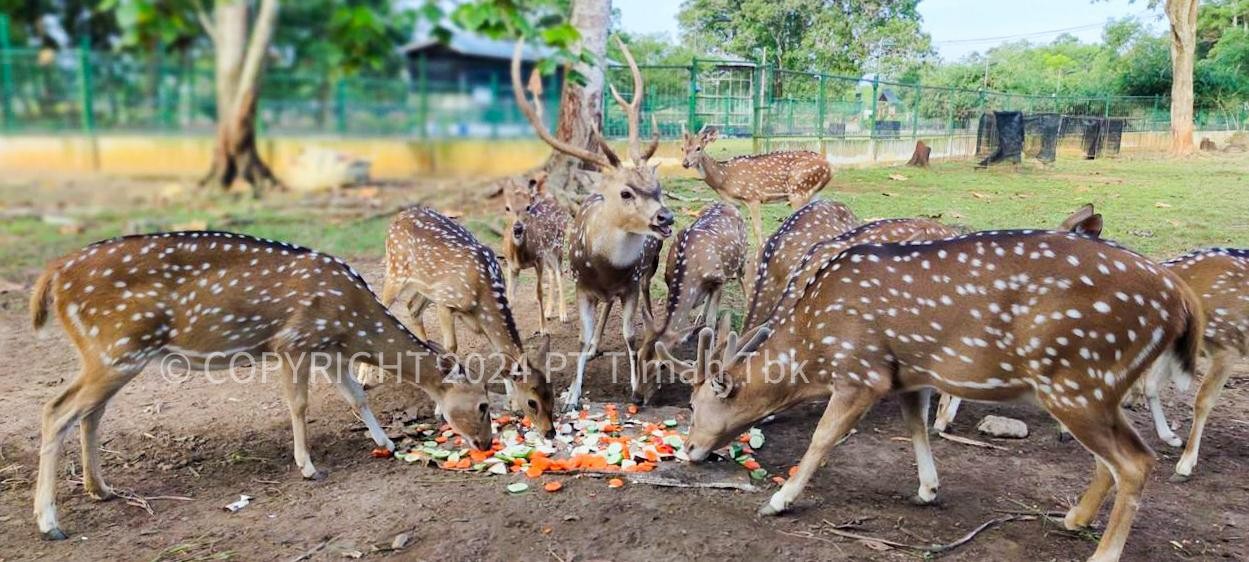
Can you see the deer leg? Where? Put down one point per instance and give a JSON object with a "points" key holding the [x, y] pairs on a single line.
{"points": [[509, 280], [416, 308], [1123, 460], [543, 313], [628, 307], [1155, 379], [756, 221], [845, 408], [1207, 395], [586, 306], [947, 408], [601, 324], [559, 292], [84, 398], [915, 415], [353, 393], [446, 322], [295, 390]]}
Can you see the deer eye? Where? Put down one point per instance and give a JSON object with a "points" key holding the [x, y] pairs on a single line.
{"points": [[626, 194], [533, 405], [483, 408]]}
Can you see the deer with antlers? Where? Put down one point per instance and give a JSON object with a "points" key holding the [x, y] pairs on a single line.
{"points": [[702, 259], [213, 300], [616, 231], [795, 175], [432, 259], [993, 316], [535, 239]]}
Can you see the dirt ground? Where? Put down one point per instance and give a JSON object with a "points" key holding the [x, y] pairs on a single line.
{"points": [[212, 442]]}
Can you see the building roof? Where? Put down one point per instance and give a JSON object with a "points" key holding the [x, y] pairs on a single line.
{"points": [[477, 46]]}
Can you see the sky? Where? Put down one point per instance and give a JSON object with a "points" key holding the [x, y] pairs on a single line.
{"points": [[957, 27]]}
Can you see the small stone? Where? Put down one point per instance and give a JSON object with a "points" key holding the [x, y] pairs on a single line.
{"points": [[1000, 426], [401, 540]]}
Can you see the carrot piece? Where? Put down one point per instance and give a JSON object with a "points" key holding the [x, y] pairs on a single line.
{"points": [[464, 463], [651, 456], [541, 463], [533, 471], [615, 483], [526, 422], [504, 419], [440, 439], [751, 464], [793, 470], [744, 438], [553, 486], [479, 456], [381, 453], [646, 466], [780, 480]]}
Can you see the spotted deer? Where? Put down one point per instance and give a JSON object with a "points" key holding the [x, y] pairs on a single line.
{"points": [[992, 316], [535, 240], [213, 300], [1083, 221], [432, 259], [776, 270], [617, 231], [795, 176], [1220, 277], [702, 259]]}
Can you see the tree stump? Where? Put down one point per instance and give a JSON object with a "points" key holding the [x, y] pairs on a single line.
{"points": [[920, 157], [1207, 145]]}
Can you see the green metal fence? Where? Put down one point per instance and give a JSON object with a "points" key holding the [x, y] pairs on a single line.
{"points": [[79, 91]]}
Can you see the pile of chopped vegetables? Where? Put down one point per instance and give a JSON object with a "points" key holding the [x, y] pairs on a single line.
{"points": [[585, 442]]}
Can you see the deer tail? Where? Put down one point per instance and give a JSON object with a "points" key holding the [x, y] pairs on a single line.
{"points": [[41, 298], [1187, 347]]}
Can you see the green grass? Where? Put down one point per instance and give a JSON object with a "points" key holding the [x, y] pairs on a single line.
{"points": [[1160, 207]]}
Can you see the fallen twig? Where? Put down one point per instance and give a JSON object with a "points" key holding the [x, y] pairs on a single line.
{"points": [[314, 550], [935, 548], [972, 442], [812, 536]]}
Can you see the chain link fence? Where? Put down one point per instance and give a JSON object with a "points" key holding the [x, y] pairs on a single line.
{"points": [[78, 91]]}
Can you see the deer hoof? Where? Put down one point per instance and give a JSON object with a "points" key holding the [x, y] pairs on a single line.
{"points": [[54, 534], [101, 494], [1178, 478], [775, 505], [1175, 442], [317, 475], [919, 500]]}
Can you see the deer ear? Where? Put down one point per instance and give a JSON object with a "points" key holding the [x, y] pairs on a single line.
{"points": [[721, 385], [1084, 221], [710, 134], [753, 339]]}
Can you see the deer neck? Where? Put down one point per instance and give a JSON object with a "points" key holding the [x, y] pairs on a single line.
{"points": [[619, 247], [784, 376], [711, 171]]}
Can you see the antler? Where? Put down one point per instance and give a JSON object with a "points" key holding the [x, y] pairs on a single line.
{"points": [[527, 108], [633, 109]]}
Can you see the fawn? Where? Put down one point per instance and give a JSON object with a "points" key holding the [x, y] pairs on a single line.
{"points": [[991, 316], [535, 240], [207, 300], [701, 261], [432, 259]]}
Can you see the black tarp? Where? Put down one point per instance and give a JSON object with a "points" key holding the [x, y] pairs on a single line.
{"points": [[1000, 137]]}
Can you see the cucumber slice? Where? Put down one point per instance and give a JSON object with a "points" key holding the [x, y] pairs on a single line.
{"points": [[517, 487], [498, 468]]}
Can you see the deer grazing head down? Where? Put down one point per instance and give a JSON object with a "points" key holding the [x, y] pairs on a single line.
{"points": [[632, 194], [993, 316]]}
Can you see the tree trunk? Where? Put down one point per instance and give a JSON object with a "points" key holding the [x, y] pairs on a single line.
{"points": [[238, 71], [919, 158], [580, 108], [1183, 17]]}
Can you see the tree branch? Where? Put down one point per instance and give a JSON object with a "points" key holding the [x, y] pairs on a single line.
{"points": [[262, 33], [205, 21]]}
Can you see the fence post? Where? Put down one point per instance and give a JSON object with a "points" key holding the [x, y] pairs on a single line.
{"points": [[85, 94], [340, 105], [871, 120], [819, 113], [492, 114], [6, 74], [692, 112], [422, 93], [915, 114]]}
